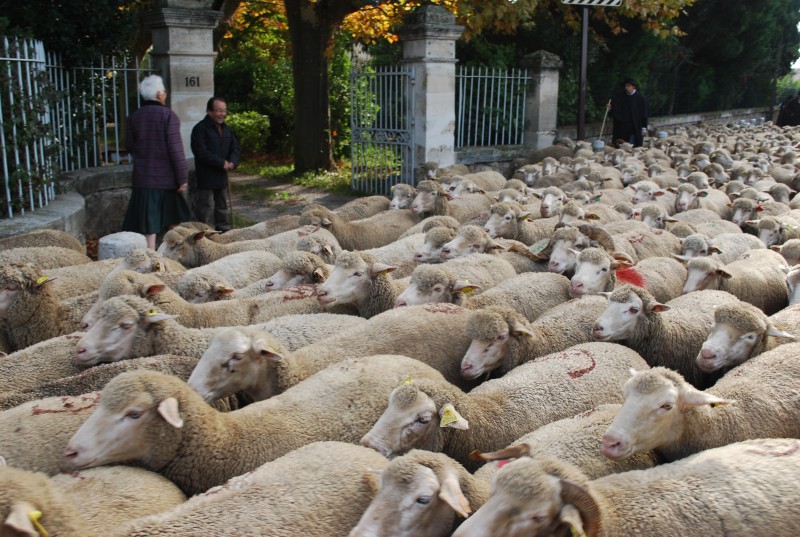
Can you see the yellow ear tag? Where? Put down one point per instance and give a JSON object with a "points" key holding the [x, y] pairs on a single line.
{"points": [[152, 313], [406, 380], [41, 279], [34, 517], [713, 405], [467, 290], [448, 417], [573, 532]]}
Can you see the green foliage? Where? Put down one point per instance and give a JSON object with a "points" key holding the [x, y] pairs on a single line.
{"points": [[251, 130], [336, 181]]}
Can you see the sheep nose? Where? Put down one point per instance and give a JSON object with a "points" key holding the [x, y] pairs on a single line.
{"points": [[708, 354], [70, 454], [611, 446], [269, 283], [487, 230], [400, 303], [445, 251], [597, 329], [417, 256], [554, 266], [80, 350], [84, 325]]}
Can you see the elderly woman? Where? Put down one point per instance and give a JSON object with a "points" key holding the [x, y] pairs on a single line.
{"points": [[160, 171]]}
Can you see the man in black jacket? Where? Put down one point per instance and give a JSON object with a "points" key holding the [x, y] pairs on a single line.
{"points": [[216, 152], [629, 110]]}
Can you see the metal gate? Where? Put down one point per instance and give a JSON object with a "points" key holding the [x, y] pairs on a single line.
{"points": [[382, 128]]}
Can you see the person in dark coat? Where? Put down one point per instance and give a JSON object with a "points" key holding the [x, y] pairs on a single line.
{"points": [[216, 152], [789, 116], [629, 110], [160, 170]]}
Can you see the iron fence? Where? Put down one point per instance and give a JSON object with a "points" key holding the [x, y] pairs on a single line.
{"points": [[55, 118], [490, 106]]}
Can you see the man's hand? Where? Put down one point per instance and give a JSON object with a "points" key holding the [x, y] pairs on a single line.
{"points": [[644, 131], [228, 166], [182, 188]]}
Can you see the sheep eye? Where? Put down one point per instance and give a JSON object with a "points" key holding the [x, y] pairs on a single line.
{"points": [[125, 325], [423, 419], [501, 337], [750, 337], [424, 500], [579, 247], [358, 274], [134, 414], [604, 269], [633, 310], [666, 406], [508, 218], [178, 244]]}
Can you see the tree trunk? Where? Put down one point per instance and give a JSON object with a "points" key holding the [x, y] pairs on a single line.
{"points": [[310, 29]]}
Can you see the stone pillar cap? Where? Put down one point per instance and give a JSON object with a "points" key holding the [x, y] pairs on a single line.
{"points": [[428, 21], [171, 17], [541, 59]]}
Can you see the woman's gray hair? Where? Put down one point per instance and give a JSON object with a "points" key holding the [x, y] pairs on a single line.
{"points": [[150, 86]]}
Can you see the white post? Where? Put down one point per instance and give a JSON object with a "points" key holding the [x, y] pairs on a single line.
{"points": [[541, 105]]}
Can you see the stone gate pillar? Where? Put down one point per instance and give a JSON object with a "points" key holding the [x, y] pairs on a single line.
{"points": [[541, 103], [183, 54], [429, 37]]}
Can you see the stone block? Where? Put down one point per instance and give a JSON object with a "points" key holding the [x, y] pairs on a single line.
{"points": [[119, 244]]}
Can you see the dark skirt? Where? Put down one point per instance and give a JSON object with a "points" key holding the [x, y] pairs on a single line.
{"points": [[152, 211]]}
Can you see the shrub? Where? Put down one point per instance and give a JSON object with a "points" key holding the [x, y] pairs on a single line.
{"points": [[252, 131]]}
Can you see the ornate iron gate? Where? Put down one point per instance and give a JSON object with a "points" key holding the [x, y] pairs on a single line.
{"points": [[382, 128]]}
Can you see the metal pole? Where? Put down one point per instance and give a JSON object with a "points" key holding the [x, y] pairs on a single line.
{"points": [[582, 80]]}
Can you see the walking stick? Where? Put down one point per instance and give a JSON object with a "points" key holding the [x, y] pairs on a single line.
{"points": [[230, 204], [603, 126]]}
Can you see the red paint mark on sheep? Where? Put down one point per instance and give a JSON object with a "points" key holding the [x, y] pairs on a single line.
{"points": [[69, 404], [774, 452], [631, 276], [639, 237], [300, 292], [576, 373]]}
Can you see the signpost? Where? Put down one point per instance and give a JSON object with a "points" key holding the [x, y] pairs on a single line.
{"points": [[584, 54]]}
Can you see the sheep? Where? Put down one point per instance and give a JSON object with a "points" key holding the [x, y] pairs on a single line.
{"points": [[573, 440], [44, 257], [239, 269], [402, 196], [92, 502], [299, 268], [531, 294], [485, 180], [701, 220], [663, 412], [77, 381], [378, 230], [726, 247], [510, 222], [668, 334], [399, 253], [43, 237], [740, 332], [330, 484], [434, 334], [28, 308], [469, 240], [262, 230], [360, 280], [431, 222], [597, 271], [437, 416], [502, 339], [421, 494], [553, 199], [744, 210], [790, 250], [688, 196], [713, 493], [319, 246], [773, 230], [435, 239], [193, 248], [189, 443], [649, 192], [433, 200], [242, 311], [755, 277]]}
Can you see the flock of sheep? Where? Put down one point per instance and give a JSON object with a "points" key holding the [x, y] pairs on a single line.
{"points": [[599, 346]]}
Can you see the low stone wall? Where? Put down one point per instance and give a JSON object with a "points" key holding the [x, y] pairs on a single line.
{"points": [[106, 191]]}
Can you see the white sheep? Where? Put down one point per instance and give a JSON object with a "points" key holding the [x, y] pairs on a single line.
{"points": [[190, 443], [318, 245], [437, 416], [773, 230], [43, 237], [402, 196], [509, 221], [755, 277], [431, 250], [434, 334], [378, 230], [44, 257], [663, 412], [668, 334], [91, 502], [712, 493], [433, 200], [790, 250], [262, 230], [240, 269], [726, 247], [501, 338], [333, 480]]}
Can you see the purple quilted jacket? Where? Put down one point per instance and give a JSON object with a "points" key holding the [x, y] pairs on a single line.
{"points": [[154, 140]]}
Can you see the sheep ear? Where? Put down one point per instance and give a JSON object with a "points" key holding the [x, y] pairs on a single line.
{"points": [[326, 221], [154, 316], [319, 275], [168, 408], [372, 478], [680, 257], [42, 280], [702, 193], [450, 493], [263, 348], [693, 397], [724, 273], [774, 332], [570, 516], [776, 248], [451, 418], [714, 250], [221, 289], [520, 329], [493, 245], [382, 268], [152, 289], [465, 287], [658, 308], [19, 519], [197, 236], [523, 215]]}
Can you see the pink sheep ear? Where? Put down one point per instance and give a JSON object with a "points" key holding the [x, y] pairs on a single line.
{"points": [[152, 289], [691, 396], [168, 408], [382, 268], [263, 348], [450, 492], [19, 520], [319, 275]]}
